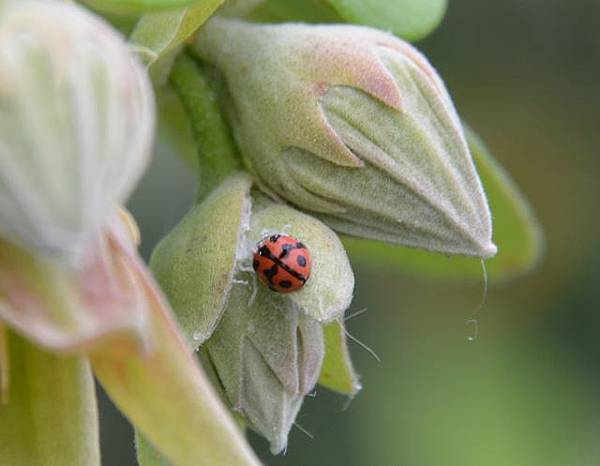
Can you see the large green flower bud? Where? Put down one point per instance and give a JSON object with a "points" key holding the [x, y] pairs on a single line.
{"points": [[354, 125], [76, 125]]}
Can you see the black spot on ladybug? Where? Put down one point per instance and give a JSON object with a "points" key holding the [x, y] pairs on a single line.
{"points": [[255, 265], [286, 248], [301, 260], [300, 245], [264, 251], [274, 238], [285, 284], [270, 273]]}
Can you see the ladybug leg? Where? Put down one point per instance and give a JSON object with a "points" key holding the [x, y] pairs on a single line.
{"points": [[246, 266]]}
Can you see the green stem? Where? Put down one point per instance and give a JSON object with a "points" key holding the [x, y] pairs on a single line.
{"points": [[217, 154], [4, 365], [50, 416]]}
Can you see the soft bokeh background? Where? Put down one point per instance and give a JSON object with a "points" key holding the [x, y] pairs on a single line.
{"points": [[526, 75]]}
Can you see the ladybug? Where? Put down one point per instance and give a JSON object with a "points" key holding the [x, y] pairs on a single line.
{"points": [[282, 263]]}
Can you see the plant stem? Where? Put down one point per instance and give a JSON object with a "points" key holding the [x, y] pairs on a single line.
{"points": [[51, 415], [217, 154]]}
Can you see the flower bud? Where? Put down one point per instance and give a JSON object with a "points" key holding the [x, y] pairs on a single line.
{"points": [[72, 308], [266, 348], [354, 125], [268, 356], [200, 259], [76, 125]]}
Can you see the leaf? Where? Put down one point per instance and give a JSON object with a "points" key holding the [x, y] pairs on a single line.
{"points": [[140, 6], [516, 232], [409, 19], [195, 262], [306, 11], [337, 371], [51, 416], [163, 33], [239, 8], [163, 391]]}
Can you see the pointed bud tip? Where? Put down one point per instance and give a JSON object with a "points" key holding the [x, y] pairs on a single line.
{"points": [[489, 251]]}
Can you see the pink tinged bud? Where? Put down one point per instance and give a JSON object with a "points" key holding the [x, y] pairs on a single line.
{"points": [[65, 308], [354, 125]]}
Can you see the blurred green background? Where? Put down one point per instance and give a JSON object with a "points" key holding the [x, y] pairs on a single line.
{"points": [[526, 75]]}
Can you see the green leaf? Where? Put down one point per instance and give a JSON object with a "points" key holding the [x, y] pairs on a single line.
{"points": [[139, 6], [306, 11], [51, 416], [161, 34], [239, 8], [337, 371], [517, 234], [409, 19]]}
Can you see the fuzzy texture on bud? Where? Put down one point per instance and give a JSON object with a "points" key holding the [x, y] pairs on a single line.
{"points": [[354, 125], [76, 126]]}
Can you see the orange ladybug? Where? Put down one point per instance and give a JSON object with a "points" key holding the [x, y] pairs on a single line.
{"points": [[282, 263]]}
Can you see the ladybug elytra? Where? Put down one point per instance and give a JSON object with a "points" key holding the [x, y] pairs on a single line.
{"points": [[282, 263]]}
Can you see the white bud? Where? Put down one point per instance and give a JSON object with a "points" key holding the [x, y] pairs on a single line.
{"points": [[76, 125]]}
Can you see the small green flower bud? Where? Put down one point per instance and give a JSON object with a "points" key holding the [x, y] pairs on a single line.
{"points": [[269, 347], [76, 125], [266, 348], [268, 356], [197, 262], [355, 125]]}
